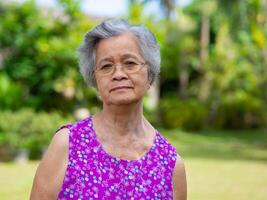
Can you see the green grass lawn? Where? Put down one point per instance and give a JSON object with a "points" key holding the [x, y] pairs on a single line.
{"points": [[16, 180], [220, 166]]}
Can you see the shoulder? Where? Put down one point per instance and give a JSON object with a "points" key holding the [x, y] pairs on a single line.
{"points": [[61, 139], [53, 164], [178, 166], [165, 144], [179, 180]]}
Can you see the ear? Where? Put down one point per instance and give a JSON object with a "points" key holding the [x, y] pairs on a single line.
{"points": [[148, 85], [95, 85], [150, 81]]}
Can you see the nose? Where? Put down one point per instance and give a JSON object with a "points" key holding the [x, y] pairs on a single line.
{"points": [[118, 73]]}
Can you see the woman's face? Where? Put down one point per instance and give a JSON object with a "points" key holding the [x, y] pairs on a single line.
{"points": [[120, 87]]}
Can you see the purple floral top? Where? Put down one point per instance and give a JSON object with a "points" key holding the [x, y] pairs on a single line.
{"points": [[94, 174]]}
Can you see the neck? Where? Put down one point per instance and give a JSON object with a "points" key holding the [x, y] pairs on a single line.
{"points": [[124, 119]]}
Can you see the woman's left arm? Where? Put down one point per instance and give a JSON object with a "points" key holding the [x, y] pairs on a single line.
{"points": [[179, 180]]}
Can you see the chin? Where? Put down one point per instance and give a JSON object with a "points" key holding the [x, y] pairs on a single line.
{"points": [[124, 101]]}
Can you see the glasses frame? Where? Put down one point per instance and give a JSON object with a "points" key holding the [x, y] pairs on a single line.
{"points": [[142, 64]]}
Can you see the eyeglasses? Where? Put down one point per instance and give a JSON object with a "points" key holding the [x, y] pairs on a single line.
{"points": [[127, 66]]}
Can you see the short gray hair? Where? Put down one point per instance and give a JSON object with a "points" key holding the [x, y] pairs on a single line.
{"points": [[114, 27]]}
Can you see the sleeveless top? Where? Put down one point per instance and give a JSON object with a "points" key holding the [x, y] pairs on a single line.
{"points": [[92, 173]]}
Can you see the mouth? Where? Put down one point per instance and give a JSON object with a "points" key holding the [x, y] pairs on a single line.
{"points": [[120, 88]]}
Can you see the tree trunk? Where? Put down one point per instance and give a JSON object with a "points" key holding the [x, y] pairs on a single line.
{"points": [[204, 51], [263, 23], [183, 82]]}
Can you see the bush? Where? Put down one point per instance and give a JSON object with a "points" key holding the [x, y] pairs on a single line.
{"points": [[241, 110], [189, 114], [26, 129], [10, 92]]}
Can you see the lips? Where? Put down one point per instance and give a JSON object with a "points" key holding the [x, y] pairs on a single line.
{"points": [[121, 87]]}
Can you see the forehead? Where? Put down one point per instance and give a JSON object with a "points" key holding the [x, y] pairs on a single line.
{"points": [[117, 46]]}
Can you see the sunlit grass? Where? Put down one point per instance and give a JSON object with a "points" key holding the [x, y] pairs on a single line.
{"points": [[223, 165], [219, 166], [16, 180], [226, 179]]}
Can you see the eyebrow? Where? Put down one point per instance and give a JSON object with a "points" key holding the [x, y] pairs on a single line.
{"points": [[129, 56], [108, 58], [124, 56]]}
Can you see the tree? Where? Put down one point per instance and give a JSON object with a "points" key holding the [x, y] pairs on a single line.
{"points": [[41, 47]]}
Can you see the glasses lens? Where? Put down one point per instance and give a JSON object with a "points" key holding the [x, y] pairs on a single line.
{"points": [[105, 69], [128, 67], [131, 67]]}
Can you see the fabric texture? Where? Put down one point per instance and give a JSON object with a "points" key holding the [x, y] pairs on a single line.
{"points": [[92, 173]]}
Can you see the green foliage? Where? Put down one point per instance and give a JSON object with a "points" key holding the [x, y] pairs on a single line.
{"points": [[241, 110], [38, 64], [236, 77], [178, 113], [41, 47], [10, 93], [26, 129]]}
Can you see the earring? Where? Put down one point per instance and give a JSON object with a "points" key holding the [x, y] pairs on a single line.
{"points": [[99, 97]]}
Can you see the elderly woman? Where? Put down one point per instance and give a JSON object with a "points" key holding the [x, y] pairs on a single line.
{"points": [[116, 153]]}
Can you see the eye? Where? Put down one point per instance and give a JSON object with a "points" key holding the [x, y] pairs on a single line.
{"points": [[106, 67], [129, 64]]}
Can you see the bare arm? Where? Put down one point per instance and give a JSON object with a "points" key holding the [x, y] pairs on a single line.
{"points": [[51, 170], [179, 180]]}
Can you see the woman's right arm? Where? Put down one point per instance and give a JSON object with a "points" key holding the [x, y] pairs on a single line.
{"points": [[51, 170]]}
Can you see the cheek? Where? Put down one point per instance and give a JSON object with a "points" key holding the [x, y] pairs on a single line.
{"points": [[142, 86], [102, 86], [145, 81]]}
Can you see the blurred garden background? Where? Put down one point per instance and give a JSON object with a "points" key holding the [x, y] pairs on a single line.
{"points": [[210, 100]]}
